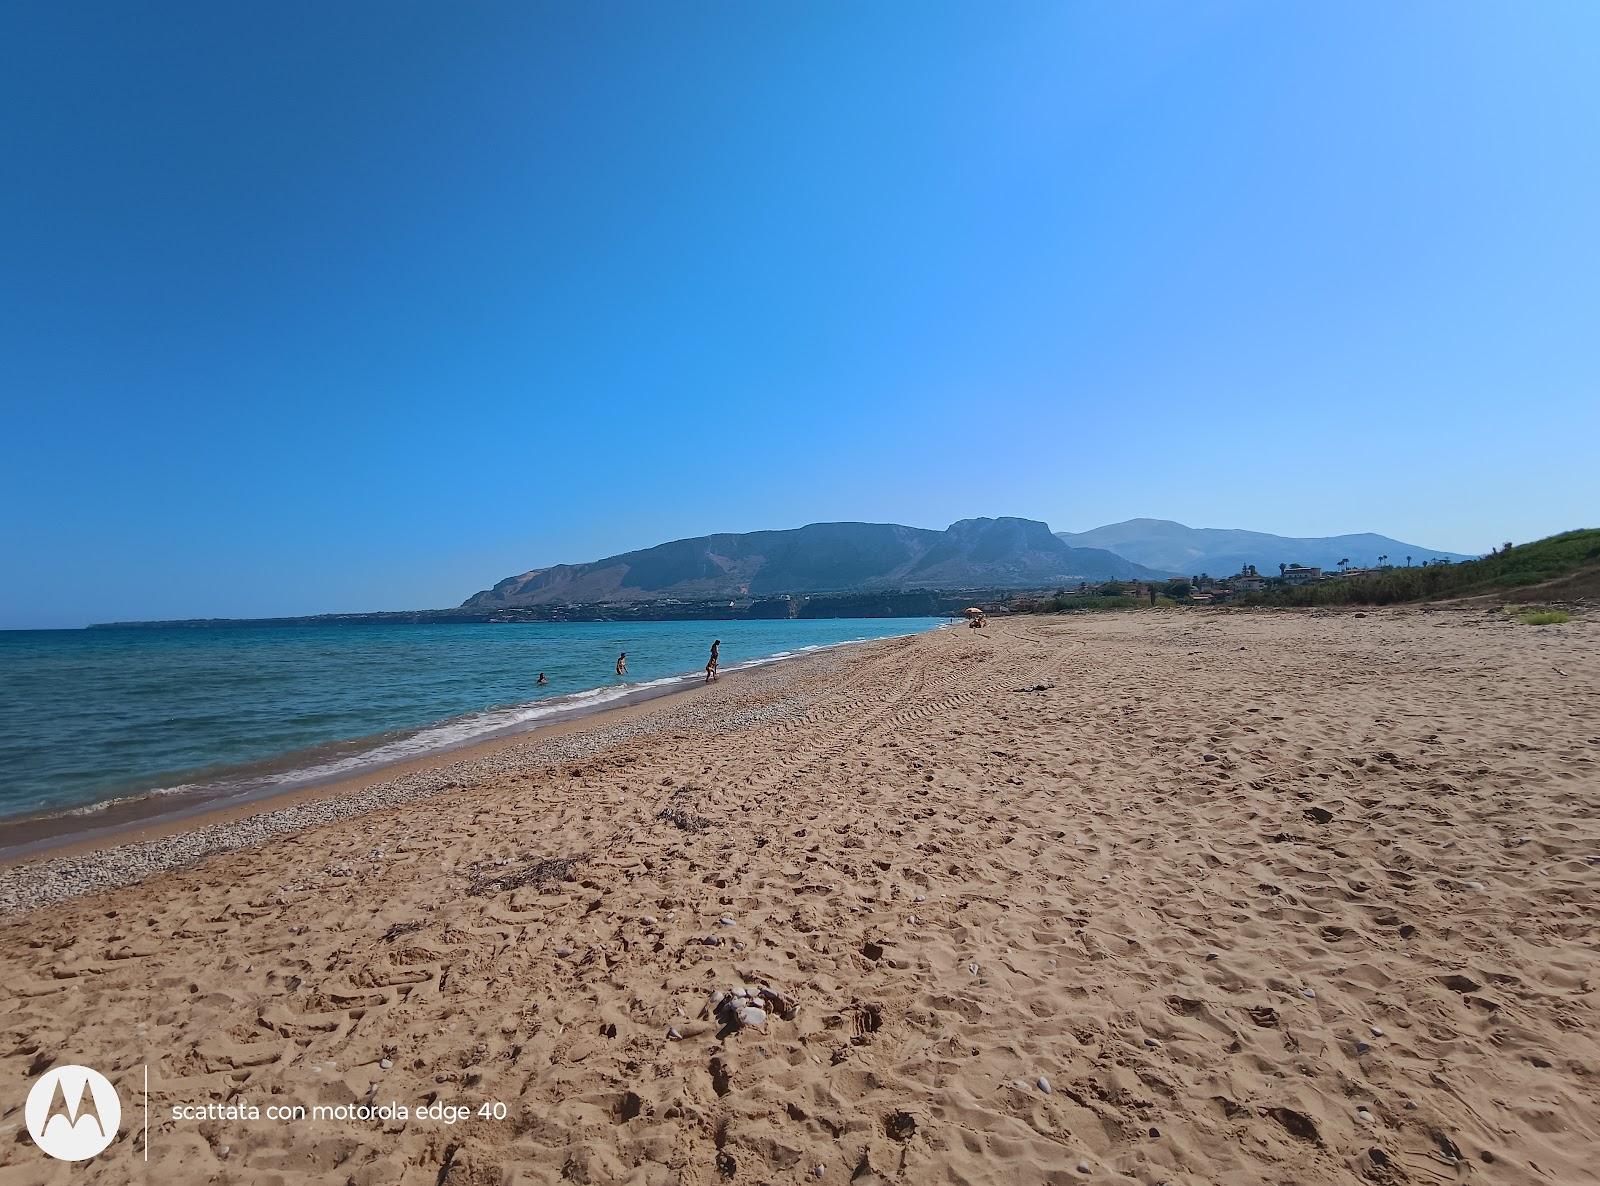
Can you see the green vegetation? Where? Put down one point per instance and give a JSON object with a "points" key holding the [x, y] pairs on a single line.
{"points": [[1544, 617], [1062, 602], [1562, 567], [1511, 567]]}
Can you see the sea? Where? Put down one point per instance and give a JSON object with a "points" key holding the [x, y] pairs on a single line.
{"points": [[95, 718]]}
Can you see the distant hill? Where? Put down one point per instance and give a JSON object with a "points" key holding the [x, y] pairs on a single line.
{"points": [[1173, 547], [821, 558]]}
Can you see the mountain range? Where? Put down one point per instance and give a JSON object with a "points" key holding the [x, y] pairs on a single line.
{"points": [[1173, 547], [821, 558], [997, 553]]}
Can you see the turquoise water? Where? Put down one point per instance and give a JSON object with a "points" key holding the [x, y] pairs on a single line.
{"points": [[87, 716]]}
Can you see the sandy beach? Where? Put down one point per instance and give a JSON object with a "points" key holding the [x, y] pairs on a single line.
{"points": [[1158, 897]]}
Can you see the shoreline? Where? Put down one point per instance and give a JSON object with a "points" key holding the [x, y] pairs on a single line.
{"points": [[161, 811], [141, 817], [141, 843]]}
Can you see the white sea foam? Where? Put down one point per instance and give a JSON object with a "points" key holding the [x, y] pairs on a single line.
{"points": [[477, 726]]}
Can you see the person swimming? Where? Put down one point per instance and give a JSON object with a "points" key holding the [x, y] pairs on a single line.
{"points": [[543, 680], [711, 665], [622, 663]]}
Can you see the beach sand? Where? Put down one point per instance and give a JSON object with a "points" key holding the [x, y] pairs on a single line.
{"points": [[1258, 896]]}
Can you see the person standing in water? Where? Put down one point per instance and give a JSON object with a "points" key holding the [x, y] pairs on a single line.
{"points": [[622, 664], [542, 680], [711, 666]]}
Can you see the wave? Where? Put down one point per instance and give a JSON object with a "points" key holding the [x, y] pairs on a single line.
{"points": [[363, 756]]}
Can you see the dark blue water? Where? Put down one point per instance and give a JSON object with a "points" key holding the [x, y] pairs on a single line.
{"points": [[88, 716]]}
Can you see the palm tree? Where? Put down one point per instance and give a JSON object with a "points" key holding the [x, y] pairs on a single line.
{"points": [[1383, 560], [1344, 564], [1282, 568], [1408, 561]]}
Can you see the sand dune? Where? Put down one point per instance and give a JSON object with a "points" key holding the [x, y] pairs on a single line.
{"points": [[1160, 897]]}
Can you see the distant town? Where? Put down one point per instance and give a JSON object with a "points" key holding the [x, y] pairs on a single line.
{"points": [[1524, 568], [1202, 588]]}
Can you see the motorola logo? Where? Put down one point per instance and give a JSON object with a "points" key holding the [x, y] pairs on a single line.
{"points": [[73, 1112]]}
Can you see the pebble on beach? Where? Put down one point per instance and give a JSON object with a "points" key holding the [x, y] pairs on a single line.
{"points": [[747, 1007]]}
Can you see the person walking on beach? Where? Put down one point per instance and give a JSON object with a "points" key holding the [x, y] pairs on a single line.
{"points": [[711, 667], [622, 664]]}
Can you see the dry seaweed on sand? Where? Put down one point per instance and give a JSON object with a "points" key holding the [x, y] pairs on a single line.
{"points": [[676, 813], [495, 879], [686, 820]]}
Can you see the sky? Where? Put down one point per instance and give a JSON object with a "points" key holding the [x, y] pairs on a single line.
{"points": [[310, 307]]}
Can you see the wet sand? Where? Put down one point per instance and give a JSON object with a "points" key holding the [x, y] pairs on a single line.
{"points": [[150, 816], [1151, 897]]}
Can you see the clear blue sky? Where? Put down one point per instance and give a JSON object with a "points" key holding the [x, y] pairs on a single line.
{"points": [[314, 307]]}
